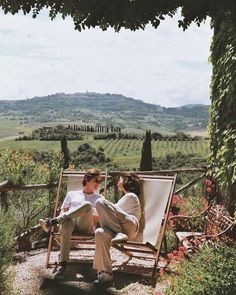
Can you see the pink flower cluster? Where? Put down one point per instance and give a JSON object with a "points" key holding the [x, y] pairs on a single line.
{"points": [[178, 254], [175, 200], [210, 187]]}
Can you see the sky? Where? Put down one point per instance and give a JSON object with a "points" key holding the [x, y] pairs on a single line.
{"points": [[164, 66]]}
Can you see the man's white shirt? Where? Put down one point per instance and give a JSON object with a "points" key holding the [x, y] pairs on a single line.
{"points": [[75, 198]]}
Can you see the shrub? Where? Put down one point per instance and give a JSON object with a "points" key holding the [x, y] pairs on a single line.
{"points": [[212, 272], [28, 167], [6, 251], [87, 156]]}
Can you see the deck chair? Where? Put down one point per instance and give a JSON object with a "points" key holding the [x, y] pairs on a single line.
{"points": [[156, 195], [73, 181], [157, 192]]}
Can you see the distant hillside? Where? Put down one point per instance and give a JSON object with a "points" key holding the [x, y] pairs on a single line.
{"points": [[93, 108]]}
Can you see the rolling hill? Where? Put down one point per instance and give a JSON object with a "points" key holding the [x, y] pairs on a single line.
{"points": [[130, 114]]}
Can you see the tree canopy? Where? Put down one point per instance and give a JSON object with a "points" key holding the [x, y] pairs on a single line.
{"points": [[129, 14]]}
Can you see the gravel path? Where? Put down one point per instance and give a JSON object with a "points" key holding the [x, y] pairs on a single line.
{"points": [[32, 278]]}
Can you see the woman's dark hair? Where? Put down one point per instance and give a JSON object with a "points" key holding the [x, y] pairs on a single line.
{"points": [[131, 182], [90, 174]]}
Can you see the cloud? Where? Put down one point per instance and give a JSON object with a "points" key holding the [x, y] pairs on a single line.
{"points": [[165, 66]]}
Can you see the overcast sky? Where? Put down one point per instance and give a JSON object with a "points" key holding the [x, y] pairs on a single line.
{"points": [[165, 66]]}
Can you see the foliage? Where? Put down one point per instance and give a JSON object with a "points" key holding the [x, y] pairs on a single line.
{"points": [[146, 158], [65, 152], [178, 160], [6, 251], [212, 271], [192, 205], [131, 15], [86, 156], [27, 167], [117, 136], [125, 153], [222, 165], [21, 167]]}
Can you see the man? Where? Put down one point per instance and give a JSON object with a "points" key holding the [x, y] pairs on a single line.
{"points": [[78, 214]]}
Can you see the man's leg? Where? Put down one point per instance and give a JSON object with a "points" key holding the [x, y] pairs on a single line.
{"points": [[83, 209], [68, 222], [66, 230]]}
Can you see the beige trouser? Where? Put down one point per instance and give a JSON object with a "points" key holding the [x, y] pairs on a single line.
{"points": [[112, 220], [79, 219]]}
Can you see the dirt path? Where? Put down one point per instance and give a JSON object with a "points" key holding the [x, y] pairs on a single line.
{"points": [[32, 278]]}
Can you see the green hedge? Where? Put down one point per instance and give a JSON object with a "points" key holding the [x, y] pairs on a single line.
{"points": [[6, 251], [211, 272], [222, 128]]}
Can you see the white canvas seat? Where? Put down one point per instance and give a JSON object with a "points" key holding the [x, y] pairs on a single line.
{"points": [[155, 200]]}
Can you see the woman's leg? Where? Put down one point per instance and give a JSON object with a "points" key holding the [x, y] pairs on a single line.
{"points": [[102, 259], [117, 220]]}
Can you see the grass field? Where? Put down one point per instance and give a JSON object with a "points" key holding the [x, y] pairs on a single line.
{"points": [[9, 128], [125, 152]]}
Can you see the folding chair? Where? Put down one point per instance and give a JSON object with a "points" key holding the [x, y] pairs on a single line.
{"points": [[73, 181], [157, 192]]}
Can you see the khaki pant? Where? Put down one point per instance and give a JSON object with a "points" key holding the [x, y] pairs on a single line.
{"points": [[79, 219], [112, 220]]}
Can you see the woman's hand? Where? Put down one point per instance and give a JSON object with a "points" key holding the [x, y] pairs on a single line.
{"points": [[96, 217]]}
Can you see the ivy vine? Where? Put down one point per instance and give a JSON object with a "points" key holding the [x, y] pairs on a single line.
{"points": [[222, 128]]}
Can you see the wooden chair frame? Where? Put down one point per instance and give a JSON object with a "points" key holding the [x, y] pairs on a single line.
{"points": [[142, 250], [147, 250]]}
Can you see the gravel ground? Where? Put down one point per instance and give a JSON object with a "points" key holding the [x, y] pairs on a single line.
{"points": [[32, 278]]}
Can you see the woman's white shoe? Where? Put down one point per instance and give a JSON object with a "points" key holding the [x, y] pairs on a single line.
{"points": [[104, 279]]}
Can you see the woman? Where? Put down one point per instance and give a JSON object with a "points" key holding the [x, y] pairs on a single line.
{"points": [[119, 222]]}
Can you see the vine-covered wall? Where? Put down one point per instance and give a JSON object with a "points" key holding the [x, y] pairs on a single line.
{"points": [[222, 127]]}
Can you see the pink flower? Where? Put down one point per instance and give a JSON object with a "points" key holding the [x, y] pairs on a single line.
{"points": [[208, 182], [170, 255], [175, 252], [182, 249], [181, 255], [209, 189], [175, 199]]}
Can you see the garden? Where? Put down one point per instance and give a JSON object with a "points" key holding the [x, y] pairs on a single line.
{"points": [[196, 264], [199, 265]]}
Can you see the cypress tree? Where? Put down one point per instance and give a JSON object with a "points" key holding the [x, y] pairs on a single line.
{"points": [[146, 158], [65, 151]]}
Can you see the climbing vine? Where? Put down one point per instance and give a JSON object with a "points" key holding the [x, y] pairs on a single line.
{"points": [[222, 128]]}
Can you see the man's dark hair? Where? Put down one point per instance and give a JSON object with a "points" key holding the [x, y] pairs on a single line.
{"points": [[131, 182], [90, 174]]}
